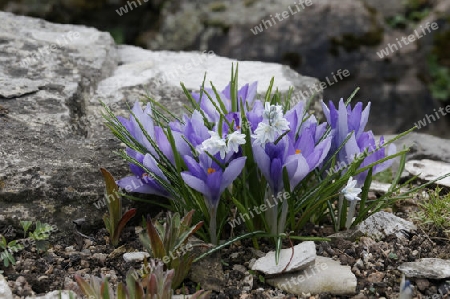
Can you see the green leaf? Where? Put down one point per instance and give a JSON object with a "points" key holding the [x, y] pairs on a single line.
{"points": [[229, 242], [156, 243], [112, 192], [122, 222], [85, 287]]}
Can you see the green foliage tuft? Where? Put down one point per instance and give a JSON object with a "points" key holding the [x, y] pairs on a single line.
{"points": [[434, 212], [169, 243], [114, 221]]}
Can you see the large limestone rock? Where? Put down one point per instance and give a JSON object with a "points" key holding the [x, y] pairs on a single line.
{"points": [[52, 138]]}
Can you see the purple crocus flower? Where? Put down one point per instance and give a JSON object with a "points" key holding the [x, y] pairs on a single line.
{"points": [[271, 159], [156, 133], [193, 130], [306, 152], [132, 126], [300, 156], [142, 182], [345, 120], [255, 115], [209, 179], [300, 151], [246, 95]]}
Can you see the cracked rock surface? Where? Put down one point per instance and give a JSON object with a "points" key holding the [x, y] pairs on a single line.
{"points": [[53, 140]]}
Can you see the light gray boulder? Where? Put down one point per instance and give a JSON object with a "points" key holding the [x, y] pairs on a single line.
{"points": [[53, 140]]}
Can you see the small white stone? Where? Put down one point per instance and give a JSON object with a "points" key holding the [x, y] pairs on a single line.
{"points": [[304, 255], [131, 257], [325, 276]]}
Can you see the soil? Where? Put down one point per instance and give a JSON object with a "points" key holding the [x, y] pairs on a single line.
{"points": [[374, 263]]}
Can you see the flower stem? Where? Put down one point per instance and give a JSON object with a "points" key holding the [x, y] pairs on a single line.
{"points": [[341, 202], [351, 213], [213, 225]]}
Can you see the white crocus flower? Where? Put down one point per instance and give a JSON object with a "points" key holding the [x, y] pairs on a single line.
{"points": [[273, 124], [350, 192], [215, 144], [280, 125], [234, 140], [264, 133], [272, 112]]}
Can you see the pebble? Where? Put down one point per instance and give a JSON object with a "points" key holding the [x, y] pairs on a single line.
{"points": [[422, 284], [239, 268], [70, 249], [235, 255], [101, 257], [376, 277], [133, 257], [84, 264]]}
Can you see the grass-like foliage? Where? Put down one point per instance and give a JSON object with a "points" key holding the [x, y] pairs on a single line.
{"points": [[155, 284], [434, 212], [169, 243], [7, 249], [38, 237], [114, 221], [276, 165]]}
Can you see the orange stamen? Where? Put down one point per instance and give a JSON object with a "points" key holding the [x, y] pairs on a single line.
{"points": [[211, 170], [297, 151]]}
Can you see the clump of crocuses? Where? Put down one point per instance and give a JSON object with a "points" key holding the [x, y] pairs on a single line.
{"points": [[234, 150]]}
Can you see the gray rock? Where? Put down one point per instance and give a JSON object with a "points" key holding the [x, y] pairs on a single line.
{"points": [[382, 187], [304, 255], [423, 146], [5, 291], [158, 75], [429, 170], [325, 276], [383, 224], [431, 268], [53, 140]]}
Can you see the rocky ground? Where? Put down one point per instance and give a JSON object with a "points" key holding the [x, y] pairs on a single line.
{"points": [[374, 262]]}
